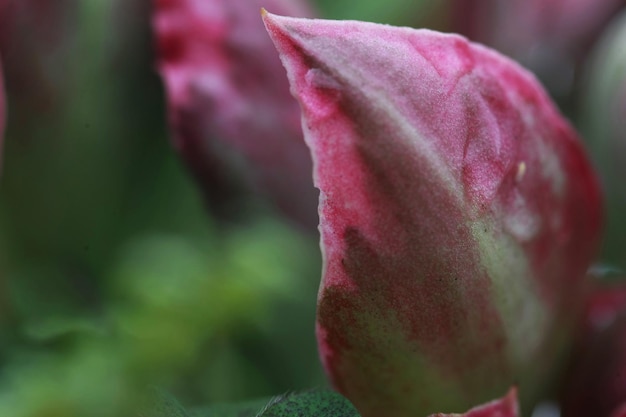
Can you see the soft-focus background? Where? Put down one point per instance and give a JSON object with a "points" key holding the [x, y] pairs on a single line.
{"points": [[114, 275]]}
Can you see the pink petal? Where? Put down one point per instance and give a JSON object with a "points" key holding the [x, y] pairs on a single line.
{"points": [[620, 412], [458, 215], [229, 103], [503, 407], [603, 308]]}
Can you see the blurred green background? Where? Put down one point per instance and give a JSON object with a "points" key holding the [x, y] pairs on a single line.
{"points": [[114, 277]]}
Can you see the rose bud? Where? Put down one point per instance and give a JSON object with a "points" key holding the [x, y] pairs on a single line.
{"points": [[458, 215], [230, 109], [604, 121]]}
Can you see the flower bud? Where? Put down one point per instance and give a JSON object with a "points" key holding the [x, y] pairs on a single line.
{"points": [[458, 215], [229, 103]]}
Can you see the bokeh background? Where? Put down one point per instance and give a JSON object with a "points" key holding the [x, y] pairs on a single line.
{"points": [[115, 273]]}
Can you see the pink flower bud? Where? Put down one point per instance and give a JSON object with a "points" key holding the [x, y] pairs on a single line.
{"points": [[229, 103], [502, 407], [458, 215]]}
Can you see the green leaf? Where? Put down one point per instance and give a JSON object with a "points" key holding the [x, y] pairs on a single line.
{"points": [[316, 403], [163, 404], [246, 409]]}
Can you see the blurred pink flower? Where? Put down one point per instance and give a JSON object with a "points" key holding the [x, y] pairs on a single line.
{"points": [[620, 412], [596, 385], [230, 109], [549, 36], [458, 215]]}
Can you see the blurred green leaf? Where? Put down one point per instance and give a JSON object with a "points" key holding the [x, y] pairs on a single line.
{"points": [[244, 409], [162, 404], [604, 129], [55, 328]]}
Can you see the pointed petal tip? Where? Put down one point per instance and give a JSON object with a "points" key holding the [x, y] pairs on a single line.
{"points": [[512, 393], [268, 20], [512, 399], [507, 406], [267, 16], [276, 22], [273, 22]]}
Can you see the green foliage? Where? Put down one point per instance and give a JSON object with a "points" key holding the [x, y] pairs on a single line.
{"points": [[113, 274], [245, 409], [314, 403], [317, 403], [169, 301], [162, 404]]}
